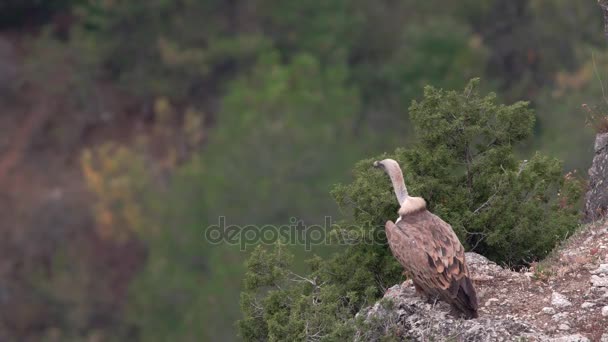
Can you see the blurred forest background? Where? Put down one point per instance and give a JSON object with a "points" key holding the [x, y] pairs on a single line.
{"points": [[128, 127]]}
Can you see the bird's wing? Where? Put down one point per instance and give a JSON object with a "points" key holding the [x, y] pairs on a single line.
{"points": [[399, 243], [436, 258]]}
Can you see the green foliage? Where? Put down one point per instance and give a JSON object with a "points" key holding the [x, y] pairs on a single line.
{"points": [[327, 29], [465, 167], [185, 280], [279, 305], [163, 47], [525, 53], [573, 111], [271, 125], [286, 96], [269, 116]]}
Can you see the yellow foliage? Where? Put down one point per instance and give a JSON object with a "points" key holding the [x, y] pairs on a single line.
{"points": [[92, 178], [162, 109], [194, 126], [163, 116], [116, 176], [172, 55], [589, 74], [573, 80]]}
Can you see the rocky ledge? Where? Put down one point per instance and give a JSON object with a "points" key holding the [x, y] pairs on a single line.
{"points": [[565, 298]]}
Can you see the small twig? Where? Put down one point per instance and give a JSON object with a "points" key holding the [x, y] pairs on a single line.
{"points": [[483, 236], [485, 203], [303, 279], [522, 167]]}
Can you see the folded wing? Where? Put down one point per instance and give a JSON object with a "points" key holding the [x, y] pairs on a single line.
{"points": [[432, 255]]}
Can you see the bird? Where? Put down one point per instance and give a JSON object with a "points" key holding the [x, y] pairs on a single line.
{"points": [[428, 249]]}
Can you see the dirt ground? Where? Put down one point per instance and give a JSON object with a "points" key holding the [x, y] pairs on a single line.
{"points": [[562, 295]]}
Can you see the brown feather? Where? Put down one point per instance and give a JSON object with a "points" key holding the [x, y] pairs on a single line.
{"points": [[432, 254]]}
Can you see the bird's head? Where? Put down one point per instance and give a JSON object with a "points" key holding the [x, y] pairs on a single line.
{"points": [[387, 165], [392, 169]]}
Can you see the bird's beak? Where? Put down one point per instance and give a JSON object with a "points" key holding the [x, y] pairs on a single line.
{"points": [[377, 164]]}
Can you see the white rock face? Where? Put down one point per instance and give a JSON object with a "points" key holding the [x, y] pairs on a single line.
{"points": [[596, 199], [549, 310], [555, 316], [602, 269], [571, 338], [559, 300], [491, 301], [560, 317], [420, 321], [599, 281]]}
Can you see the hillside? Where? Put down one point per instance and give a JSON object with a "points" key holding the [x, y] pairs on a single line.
{"points": [[564, 298], [128, 128]]}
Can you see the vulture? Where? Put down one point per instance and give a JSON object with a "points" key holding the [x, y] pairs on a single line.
{"points": [[428, 249]]}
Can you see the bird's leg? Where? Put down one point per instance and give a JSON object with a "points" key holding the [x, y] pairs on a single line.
{"points": [[430, 299], [420, 292]]}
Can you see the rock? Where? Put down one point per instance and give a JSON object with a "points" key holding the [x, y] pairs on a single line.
{"points": [[560, 317], [491, 301], [605, 311], [549, 310], [559, 300], [602, 269], [403, 311], [571, 338], [481, 268], [599, 281], [596, 199], [404, 315]]}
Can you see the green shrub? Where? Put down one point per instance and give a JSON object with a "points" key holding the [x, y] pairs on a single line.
{"points": [[464, 165]]}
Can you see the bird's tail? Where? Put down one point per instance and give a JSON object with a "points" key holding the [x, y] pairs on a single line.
{"points": [[466, 298]]}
